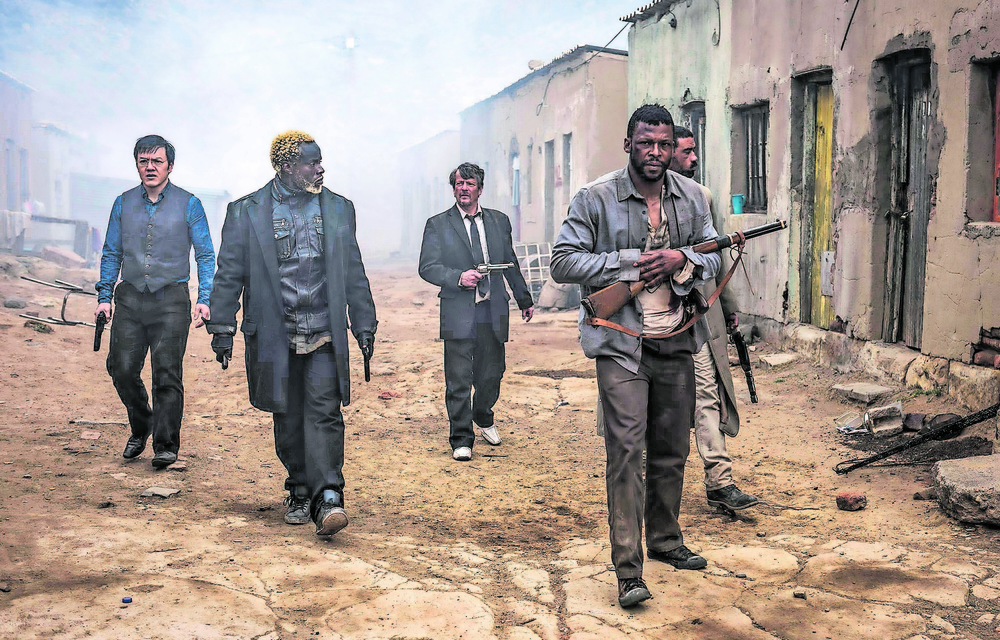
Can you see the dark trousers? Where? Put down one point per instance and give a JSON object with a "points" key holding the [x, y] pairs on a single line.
{"points": [[653, 408], [478, 363], [309, 437], [157, 323]]}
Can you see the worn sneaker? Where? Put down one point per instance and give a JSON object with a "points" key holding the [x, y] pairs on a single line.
{"points": [[490, 435], [330, 515], [730, 497], [632, 591], [679, 558], [298, 509], [462, 454]]}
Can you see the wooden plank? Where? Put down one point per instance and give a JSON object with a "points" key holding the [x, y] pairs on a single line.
{"points": [[919, 196], [822, 213]]}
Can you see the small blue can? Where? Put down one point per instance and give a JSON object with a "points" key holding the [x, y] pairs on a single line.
{"points": [[126, 600]]}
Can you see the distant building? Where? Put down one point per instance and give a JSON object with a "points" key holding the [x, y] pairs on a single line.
{"points": [[15, 174], [423, 185], [543, 137], [872, 129]]}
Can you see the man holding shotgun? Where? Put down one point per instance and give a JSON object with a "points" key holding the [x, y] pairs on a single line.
{"points": [[637, 224]]}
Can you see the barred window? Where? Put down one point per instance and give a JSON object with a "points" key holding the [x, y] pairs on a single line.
{"points": [[755, 135]]}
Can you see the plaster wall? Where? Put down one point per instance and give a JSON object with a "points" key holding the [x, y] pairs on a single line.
{"points": [[767, 50], [424, 187], [15, 135], [587, 101]]}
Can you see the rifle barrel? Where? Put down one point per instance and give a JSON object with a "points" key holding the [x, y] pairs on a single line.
{"points": [[726, 241]]}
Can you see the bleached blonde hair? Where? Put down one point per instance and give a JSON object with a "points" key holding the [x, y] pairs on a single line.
{"points": [[285, 147]]}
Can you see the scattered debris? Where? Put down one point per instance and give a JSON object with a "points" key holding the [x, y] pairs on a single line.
{"points": [[850, 422], [941, 623], [40, 327], [5, 587], [969, 489], [913, 421], [161, 492], [884, 422], [799, 593], [96, 423], [388, 394], [126, 600], [866, 392], [928, 493], [741, 575], [417, 303], [90, 435], [932, 424], [106, 505], [15, 303], [851, 501]]}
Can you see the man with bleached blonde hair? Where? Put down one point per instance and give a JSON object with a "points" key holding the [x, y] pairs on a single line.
{"points": [[291, 250]]}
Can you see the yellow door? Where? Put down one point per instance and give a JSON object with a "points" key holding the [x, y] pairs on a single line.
{"points": [[822, 305]]}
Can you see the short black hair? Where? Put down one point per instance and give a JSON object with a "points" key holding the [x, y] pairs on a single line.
{"points": [[468, 170], [652, 114], [680, 131], [153, 142]]}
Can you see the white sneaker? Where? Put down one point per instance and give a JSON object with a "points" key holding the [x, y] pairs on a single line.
{"points": [[462, 454], [490, 434]]}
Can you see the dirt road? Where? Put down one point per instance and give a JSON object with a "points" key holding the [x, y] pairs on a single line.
{"points": [[512, 545]]}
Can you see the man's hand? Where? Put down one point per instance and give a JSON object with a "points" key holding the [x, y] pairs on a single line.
{"points": [[527, 313], [470, 278], [366, 341], [222, 345], [201, 314], [105, 307], [655, 266], [732, 322]]}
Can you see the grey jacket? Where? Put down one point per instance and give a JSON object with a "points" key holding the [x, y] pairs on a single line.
{"points": [[604, 234]]}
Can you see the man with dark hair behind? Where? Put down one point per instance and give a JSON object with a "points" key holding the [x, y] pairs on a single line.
{"points": [[715, 413], [291, 250], [150, 234], [637, 224], [474, 306]]}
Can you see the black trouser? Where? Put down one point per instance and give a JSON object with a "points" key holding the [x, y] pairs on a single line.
{"points": [[309, 437], [653, 408], [155, 322], [479, 363]]}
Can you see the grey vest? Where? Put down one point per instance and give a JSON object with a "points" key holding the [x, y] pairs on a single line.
{"points": [[157, 249]]}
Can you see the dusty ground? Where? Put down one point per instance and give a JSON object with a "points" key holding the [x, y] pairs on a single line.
{"points": [[511, 545]]}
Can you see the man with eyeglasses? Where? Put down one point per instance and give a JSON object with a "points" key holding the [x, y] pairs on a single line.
{"points": [[151, 232]]}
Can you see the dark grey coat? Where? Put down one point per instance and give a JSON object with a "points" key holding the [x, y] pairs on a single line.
{"points": [[446, 252], [248, 265]]}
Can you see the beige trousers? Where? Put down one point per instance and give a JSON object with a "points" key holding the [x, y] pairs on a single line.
{"points": [[708, 436]]}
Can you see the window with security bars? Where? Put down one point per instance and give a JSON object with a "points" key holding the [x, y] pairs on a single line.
{"points": [[755, 137], [694, 115]]}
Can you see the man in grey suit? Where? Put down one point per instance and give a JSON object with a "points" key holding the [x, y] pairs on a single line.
{"points": [[290, 249], [715, 400], [475, 313], [638, 224]]}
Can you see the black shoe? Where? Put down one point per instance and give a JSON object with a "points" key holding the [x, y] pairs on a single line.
{"points": [[134, 447], [632, 591], [329, 514], [164, 459], [731, 497], [298, 509], [680, 558]]}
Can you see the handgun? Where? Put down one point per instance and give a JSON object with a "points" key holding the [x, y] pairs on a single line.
{"points": [[487, 268], [102, 319]]}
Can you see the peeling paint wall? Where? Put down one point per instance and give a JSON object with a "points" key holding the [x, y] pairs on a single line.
{"points": [[766, 52], [588, 102]]}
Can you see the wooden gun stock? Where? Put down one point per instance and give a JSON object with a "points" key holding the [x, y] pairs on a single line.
{"points": [[605, 303]]}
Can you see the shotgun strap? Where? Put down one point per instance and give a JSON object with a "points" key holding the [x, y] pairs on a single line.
{"points": [[600, 322]]}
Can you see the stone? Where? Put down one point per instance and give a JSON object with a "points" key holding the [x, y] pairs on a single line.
{"points": [[969, 488], [940, 623], [417, 302], [866, 392], [15, 303], [927, 493], [161, 492], [799, 592], [913, 421], [986, 618], [986, 593], [927, 373], [63, 257], [851, 501], [776, 360], [5, 587], [973, 386]]}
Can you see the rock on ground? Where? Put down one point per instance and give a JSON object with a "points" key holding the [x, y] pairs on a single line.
{"points": [[969, 489]]}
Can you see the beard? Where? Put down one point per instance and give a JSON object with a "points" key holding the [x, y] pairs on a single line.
{"points": [[313, 187], [689, 173], [652, 174]]}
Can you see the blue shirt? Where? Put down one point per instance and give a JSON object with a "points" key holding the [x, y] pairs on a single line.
{"points": [[201, 240]]}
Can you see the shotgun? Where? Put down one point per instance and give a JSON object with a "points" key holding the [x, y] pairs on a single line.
{"points": [[606, 302], [745, 364]]}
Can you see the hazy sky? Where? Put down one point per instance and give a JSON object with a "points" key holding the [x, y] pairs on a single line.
{"points": [[220, 79]]}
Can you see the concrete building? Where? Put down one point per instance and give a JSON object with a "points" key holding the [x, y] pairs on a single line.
{"points": [[15, 174], [423, 186], [871, 128], [543, 137]]}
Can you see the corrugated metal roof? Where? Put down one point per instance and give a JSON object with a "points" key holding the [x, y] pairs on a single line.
{"points": [[649, 10], [575, 52]]}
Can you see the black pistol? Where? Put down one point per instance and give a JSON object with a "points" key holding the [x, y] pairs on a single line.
{"points": [[744, 354], [102, 319]]}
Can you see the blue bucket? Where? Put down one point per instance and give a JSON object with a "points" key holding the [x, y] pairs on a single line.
{"points": [[738, 200]]}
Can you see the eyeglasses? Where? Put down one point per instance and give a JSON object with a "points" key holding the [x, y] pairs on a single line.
{"points": [[156, 162]]}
